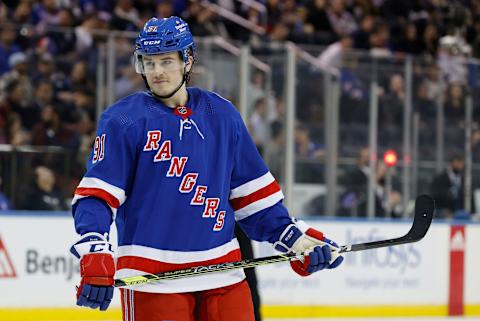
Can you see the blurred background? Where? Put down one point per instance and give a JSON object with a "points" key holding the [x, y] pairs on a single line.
{"points": [[357, 107]]}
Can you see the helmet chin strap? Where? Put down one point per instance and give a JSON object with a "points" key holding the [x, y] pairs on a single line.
{"points": [[185, 78]]}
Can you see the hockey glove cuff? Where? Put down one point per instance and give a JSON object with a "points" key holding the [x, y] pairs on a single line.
{"points": [[97, 269], [320, 252]]}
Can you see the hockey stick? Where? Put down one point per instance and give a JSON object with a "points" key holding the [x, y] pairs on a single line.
{"points": [[424, 208]]}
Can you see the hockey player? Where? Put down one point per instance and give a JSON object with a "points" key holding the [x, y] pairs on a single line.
{"points": [[174, 168]]}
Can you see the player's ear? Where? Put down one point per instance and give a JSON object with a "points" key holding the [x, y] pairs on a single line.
{"points": [[189, 63]]}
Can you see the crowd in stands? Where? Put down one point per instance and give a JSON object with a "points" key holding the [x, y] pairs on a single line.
{"points": [[49, 50]]}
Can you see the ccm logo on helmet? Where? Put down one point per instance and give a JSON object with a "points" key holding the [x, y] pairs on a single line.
{"points": [[151, 42]]}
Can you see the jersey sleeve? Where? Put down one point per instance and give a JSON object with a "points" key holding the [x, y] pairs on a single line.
{"points": [[255, 195], [92, 215], [110, 167]]}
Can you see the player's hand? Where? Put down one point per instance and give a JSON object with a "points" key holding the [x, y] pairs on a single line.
{"points": [[321, 253], [97, 270]]}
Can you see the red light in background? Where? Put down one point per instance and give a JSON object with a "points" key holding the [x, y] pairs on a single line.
{"points": [[390, 158]]}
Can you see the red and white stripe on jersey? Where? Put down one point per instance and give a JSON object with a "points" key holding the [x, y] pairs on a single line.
{"points": [[255, 195], [136, 259], [94, 187]]}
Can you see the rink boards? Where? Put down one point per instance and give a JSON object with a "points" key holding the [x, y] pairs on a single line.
{"points": [[438, 276]]}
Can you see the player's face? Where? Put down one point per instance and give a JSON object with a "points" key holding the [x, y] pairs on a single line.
{"points": [[164, 72]]}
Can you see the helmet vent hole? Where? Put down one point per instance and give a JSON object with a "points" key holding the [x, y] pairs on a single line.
{"points": [[170, 43]]}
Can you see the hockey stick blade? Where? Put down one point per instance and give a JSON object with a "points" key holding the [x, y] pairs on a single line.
{"points": [[424, 209]]}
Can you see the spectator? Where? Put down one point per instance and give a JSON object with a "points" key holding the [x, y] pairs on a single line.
{"points": [[410, 44], [317, 22], [354, 95], [79, 77], [44, 94], [46, 13], [455, 105], [128, 82], [62, 42], [390, 113], [280, 110], [255, 16], [293, 18], [45, 195], [451, 59], [7, 46], [279, 34], [391, 202], [86, 130], [202, 20], [274, 13], [379, 42], [164, 9], [274, 152], [3, 11], [84, 31], [447, 188], [47, 71], [256, 88], [331, 59], [19, 72], [11, 103], [394, 10], [361, 37], [126, 16], [340, 19], [354, 200], [16, 133], [433, 82], [82, 102], [305, 148], [259, 125], [430, 40], [45, 68], [425, 106], [51, 131], [23, 13], [90, 7]]}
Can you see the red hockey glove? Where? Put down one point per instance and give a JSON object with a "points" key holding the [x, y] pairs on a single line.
{"points": [[97, 270], [96, 287], [322, 253]]}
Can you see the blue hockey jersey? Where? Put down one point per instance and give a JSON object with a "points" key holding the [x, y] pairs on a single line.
{"points": [[175, 180]]}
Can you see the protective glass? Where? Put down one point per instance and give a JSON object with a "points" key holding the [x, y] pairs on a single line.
{"points": [[157, 64]]}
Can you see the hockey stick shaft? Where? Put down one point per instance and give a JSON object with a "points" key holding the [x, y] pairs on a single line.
{"points": [[424, 209]]}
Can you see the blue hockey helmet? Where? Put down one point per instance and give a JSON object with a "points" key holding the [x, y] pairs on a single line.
{"points": [[162, 36]]}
